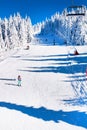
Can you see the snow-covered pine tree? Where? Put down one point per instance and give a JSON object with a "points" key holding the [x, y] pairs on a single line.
{"points": [[1, 38]]}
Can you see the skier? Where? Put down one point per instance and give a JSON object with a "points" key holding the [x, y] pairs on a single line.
{"points": [[86, 73], [27, 48], [19, 80], [76, 52], [54, 42]]}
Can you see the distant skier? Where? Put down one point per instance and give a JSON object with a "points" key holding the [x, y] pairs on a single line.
{"points": [[76, 52], [86, 73], [19, 80], [28, 47], [54, 42]]}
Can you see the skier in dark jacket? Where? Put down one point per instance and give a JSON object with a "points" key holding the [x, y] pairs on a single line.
{"points": [[76, 52], [19, 80]]}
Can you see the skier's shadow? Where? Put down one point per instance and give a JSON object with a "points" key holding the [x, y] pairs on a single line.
{"points": [[9, 80], [11, 84], [75, 118]]}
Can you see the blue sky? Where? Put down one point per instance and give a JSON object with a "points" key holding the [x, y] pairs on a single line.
{"points": [[38, 10]]}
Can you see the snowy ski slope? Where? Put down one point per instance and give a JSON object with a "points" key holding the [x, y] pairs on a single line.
{"points": [[53, 95]]}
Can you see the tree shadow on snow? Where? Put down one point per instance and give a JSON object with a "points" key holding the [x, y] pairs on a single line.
{"points": [[58, 69], [79, 78], [59, 64], [72, 117], [77, 101]]}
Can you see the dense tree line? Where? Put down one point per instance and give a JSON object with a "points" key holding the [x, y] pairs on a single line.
{"points": [[15, 31]]}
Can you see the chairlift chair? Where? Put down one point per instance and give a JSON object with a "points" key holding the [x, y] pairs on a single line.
{"points": [[76, 10]]}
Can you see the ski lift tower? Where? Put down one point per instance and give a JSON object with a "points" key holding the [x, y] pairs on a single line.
{"points": [[75, 11]]}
